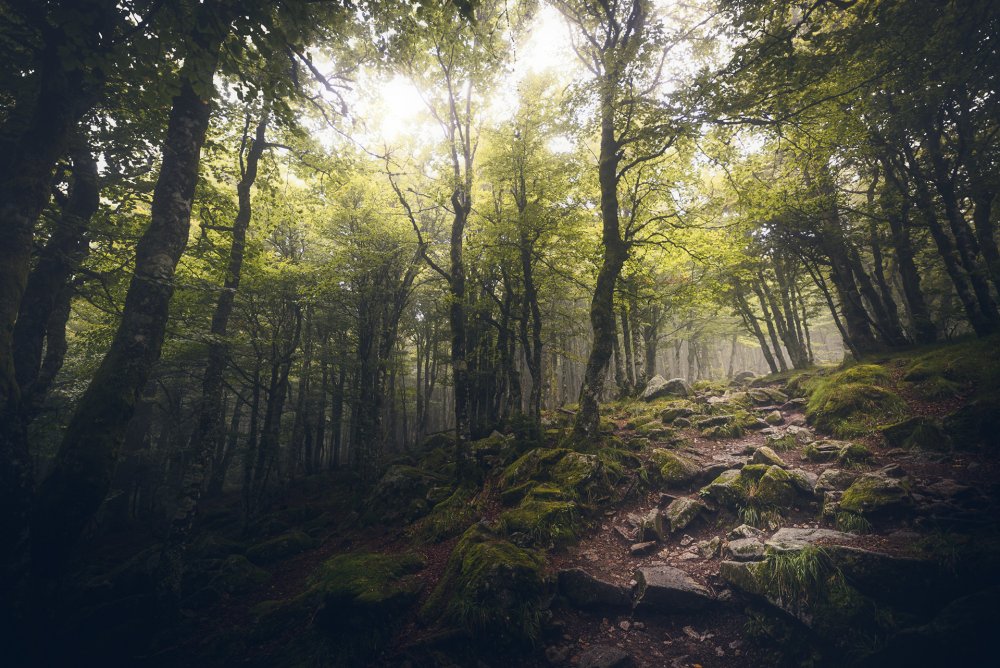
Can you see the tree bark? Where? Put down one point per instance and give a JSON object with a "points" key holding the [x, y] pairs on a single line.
{"points": [[83, 468]]}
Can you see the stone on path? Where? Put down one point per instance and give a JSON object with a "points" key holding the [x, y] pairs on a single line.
{"points": [[658, 386], [604, 656], [584, 590], [668, 589]]}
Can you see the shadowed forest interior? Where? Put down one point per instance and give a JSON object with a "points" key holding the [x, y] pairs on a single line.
{"points": [[592, 333]]}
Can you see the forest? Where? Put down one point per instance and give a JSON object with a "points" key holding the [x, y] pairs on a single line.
{"points": [[593, 333]]}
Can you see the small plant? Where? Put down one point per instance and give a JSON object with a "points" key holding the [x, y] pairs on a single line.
{"points": [[760, 515], [853, 523], [801, 577]]}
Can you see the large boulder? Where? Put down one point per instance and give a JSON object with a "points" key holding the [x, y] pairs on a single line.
{"points": [[658, 387], [490, 588], [280, 547], [667, 589]]}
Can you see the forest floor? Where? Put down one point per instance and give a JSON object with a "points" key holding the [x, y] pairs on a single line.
{"points": [[255, 605]]}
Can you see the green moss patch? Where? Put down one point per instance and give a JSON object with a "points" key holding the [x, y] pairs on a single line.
{"points": [[491, 589], [542, 522], [854, 401]]}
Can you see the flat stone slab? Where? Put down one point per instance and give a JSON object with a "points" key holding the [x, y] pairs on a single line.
{"points": [[584, 590], [603, 656], [668, 589], [792, 539]]}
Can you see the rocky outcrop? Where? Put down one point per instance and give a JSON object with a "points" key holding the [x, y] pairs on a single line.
{"points": [[667, 589], [658, 387]]}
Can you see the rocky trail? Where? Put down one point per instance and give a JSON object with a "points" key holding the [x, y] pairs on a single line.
{"points": [[835, 517]]}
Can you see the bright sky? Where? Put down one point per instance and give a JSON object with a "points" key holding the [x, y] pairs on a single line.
{"points": [[393, 110]]}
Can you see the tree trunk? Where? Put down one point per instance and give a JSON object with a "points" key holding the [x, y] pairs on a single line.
{"points": [[615, 252], [83, 468]]}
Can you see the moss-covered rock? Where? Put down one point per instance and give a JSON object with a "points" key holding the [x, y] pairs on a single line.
{"points": [[976, 424], [775, 488], [280, 547], [677, 409], [491, 589], [728, 489], [843, 452], [682, 512], [672, 469], [238, 575], [854, 401], [765, 455], [917, 433], [872, 495], [347, 613], [448, 518], [542, 522], [400, 495]]}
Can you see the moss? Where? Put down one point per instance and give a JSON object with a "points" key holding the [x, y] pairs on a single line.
{"points": [[348, 611], [584, 476], [543, 522], [491, 589], [935, 388], [781, 443], [918, 433], [775, 488], [852, 402], [872, 495], [400, 495], [449, 518], [672, 469], [281, 547], [532, 465], [972, 363]]}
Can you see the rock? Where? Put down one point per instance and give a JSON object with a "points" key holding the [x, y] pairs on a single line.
{"points": [[640, 549], [774, 417], [714, 421], [668, 589], [237, 575], [793, 539], [603, 656], [680, 513], [671, 413], [835, 479], [744, 531], [775, 488], [584, 590], [963, 633], [758, 396], [490, 585], [803, 481], [725, 489], [844, 452], [673, 469], [893, 470], [281, 547], [708, 549], [556, 654], [353, 600], [745, 549], [875, 495], [658, 387], [824, 451], [917, 433], [400, 495], [744, 376], [765, 455], [654, 526], [682, 423], [685, 540], [796, 404], [976, 424]]}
